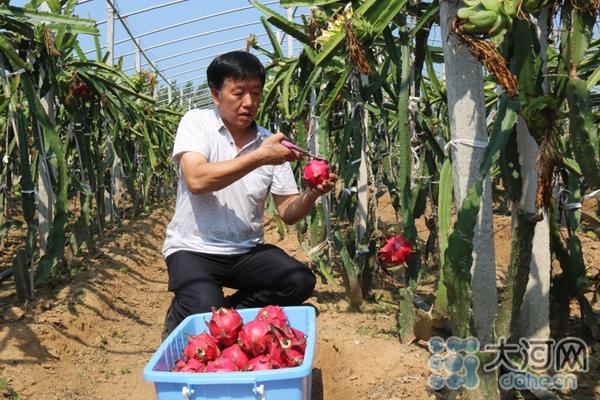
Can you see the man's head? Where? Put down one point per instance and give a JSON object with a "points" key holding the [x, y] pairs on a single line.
{"points": [[235, 80], [235, 65]]}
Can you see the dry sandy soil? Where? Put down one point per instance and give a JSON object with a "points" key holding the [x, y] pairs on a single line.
{"points": [[91, 337]]}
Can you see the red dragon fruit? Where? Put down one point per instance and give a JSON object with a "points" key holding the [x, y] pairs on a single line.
{"points": [[225, 325], [179, 364], [288, 337], [396, 250], [260, 362], [289, 346], [221, 364], [190, 365], [203, 347], [237, 355], [294, 357], [316, 172], [273, 315], [255, 337]]}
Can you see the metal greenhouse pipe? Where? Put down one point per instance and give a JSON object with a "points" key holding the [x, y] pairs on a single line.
{"points": [[145, 10], [193, 36], [110, 2], [197, 49]]}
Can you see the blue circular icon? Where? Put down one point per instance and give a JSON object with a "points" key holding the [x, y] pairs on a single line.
{"points": [[455, 344], [454, 381], [471, 345], [436, 363], [437, 382], [436, 345], [453, 362]]}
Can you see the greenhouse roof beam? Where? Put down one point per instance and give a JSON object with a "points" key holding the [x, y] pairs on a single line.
{"points": [[200, 68], [156, 7], [196, 49], [177, 25], [190, 62], [192, 37], [112, 5], [202, 93]]}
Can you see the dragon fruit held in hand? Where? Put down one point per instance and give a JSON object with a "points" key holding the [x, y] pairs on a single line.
{"points": [[225, 325], [396, 250], [316, 172]]}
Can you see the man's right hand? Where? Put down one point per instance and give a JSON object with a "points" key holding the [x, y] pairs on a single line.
{"points": [[274, 153]]}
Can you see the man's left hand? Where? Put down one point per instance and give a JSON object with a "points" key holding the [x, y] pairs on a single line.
{"points": [[324, 187]]}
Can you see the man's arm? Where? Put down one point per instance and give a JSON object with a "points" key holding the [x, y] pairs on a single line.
{"points": [[292, 208], [202, 176]]}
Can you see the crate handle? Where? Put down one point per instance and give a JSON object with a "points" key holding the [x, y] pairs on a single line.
{"points": [[260, 391], [186, 392]]}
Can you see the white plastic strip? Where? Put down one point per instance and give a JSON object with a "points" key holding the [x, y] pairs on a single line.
{"points": [[3, 74], [466, 142], [593, 195]]}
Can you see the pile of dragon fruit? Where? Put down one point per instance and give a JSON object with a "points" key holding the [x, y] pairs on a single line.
{"points": [[267, 342]]}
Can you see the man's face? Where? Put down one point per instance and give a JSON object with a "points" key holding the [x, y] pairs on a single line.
{"points": [[238, 101]]}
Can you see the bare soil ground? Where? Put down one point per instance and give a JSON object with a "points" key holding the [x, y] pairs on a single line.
{"points": [[91, 337]]}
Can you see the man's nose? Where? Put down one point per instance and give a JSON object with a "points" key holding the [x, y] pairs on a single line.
{"points": [[247, 100]]}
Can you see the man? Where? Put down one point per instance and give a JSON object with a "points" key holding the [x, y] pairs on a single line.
{"points": [[228, 166]]}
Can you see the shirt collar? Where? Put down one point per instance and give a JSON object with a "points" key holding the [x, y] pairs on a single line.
{"points": [[222, 128]]}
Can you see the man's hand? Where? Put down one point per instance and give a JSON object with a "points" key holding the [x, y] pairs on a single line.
{"points": [[294, 207], [322, 188], [274, 153]]}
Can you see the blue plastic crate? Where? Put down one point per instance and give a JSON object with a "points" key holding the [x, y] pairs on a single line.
{"points": [[278, 384]]}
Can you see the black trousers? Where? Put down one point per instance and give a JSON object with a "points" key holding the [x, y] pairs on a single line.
{"points": [[265, 275]]}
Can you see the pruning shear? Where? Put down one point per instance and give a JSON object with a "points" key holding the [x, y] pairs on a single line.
{"points": [[299, 149]]}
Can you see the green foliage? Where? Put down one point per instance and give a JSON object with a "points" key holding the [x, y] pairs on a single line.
{"points": [[100, 115], [7, 390]]}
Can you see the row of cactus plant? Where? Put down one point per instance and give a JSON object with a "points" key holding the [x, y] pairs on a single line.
{"points": [[546, 84], [76, 122]]}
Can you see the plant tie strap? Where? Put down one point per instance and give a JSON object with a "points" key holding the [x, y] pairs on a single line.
{"points": [[349, 190], [358, 104], [318, 248], [413, 104], [467, 142], [35, 193], [593, 195], [563, 197], [5, 74]]}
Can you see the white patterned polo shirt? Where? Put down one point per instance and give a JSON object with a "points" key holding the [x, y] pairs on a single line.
{"points": [[230, 220]]}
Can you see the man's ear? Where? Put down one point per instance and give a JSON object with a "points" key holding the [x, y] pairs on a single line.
{"points": [[216, 96]]}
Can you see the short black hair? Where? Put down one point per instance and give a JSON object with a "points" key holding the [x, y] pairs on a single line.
{"points": [[237, 65]]}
